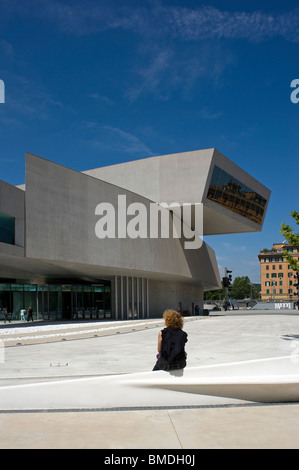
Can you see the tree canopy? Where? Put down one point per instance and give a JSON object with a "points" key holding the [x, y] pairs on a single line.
{"points": [[242, 288], [292, 239]]}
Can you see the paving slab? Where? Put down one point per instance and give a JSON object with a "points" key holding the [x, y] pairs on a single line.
{"points": [[234, 427], [216, 423]]}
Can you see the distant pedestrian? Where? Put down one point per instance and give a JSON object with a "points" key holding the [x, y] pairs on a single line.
{"points": [[171, 343], [23, 313], [6, 315], [30, 314]]}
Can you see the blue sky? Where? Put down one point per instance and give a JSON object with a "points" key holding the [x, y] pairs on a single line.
{"points": [[94, 83]]}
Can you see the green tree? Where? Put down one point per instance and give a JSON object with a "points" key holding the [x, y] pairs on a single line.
{"points": [[292, 239], [256, 291], [215, 294], [241, 287]]}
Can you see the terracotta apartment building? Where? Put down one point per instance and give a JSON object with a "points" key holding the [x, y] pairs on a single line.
{"points": [[277, 276]]}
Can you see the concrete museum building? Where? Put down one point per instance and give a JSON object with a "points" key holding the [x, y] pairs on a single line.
{"points": [[94, 244]]}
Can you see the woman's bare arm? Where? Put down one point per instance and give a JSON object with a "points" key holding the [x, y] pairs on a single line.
{"points": [[160, 341]]}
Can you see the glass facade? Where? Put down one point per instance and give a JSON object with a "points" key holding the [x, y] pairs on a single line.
{"points": [[232, 194], [7, 229], [57, 302]]}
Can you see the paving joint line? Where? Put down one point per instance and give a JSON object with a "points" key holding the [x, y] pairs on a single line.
{"points": [[144, 408]]}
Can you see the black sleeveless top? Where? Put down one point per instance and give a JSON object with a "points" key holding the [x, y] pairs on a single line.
{"points": [[173, 354]]}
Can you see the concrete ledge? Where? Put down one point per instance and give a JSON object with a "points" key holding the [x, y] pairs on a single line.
{"points": [[273, 380]]}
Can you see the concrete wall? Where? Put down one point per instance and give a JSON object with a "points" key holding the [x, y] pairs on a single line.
{"points": [[134, 297], [12, 202], [60, 228], [185, 178], [163, 295], [169, 178]]}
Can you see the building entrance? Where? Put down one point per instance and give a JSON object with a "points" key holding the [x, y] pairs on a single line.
{"points": [[66, 304], [57, 302]]}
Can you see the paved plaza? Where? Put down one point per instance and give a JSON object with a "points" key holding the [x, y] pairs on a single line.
{"points": [[59, 365]]}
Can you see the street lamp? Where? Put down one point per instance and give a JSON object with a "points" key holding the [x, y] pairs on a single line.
{"points": [[296, 284], [227, 283], [273, 285]]}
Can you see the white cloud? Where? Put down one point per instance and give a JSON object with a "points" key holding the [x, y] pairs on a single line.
{"points": [[170, 70], [150, 77], [114, 138], [206, 113], [165, 67], [128, 142], [155, 19], [208, 22], [6, 48], [100, 98], [185, 23]]}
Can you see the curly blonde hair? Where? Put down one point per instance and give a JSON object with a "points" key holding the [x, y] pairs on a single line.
{"points": [[173, 319]]}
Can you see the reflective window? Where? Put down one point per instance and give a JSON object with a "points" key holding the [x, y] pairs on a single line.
{"points": [[57, 302], [7, 229], [236, 196]]}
